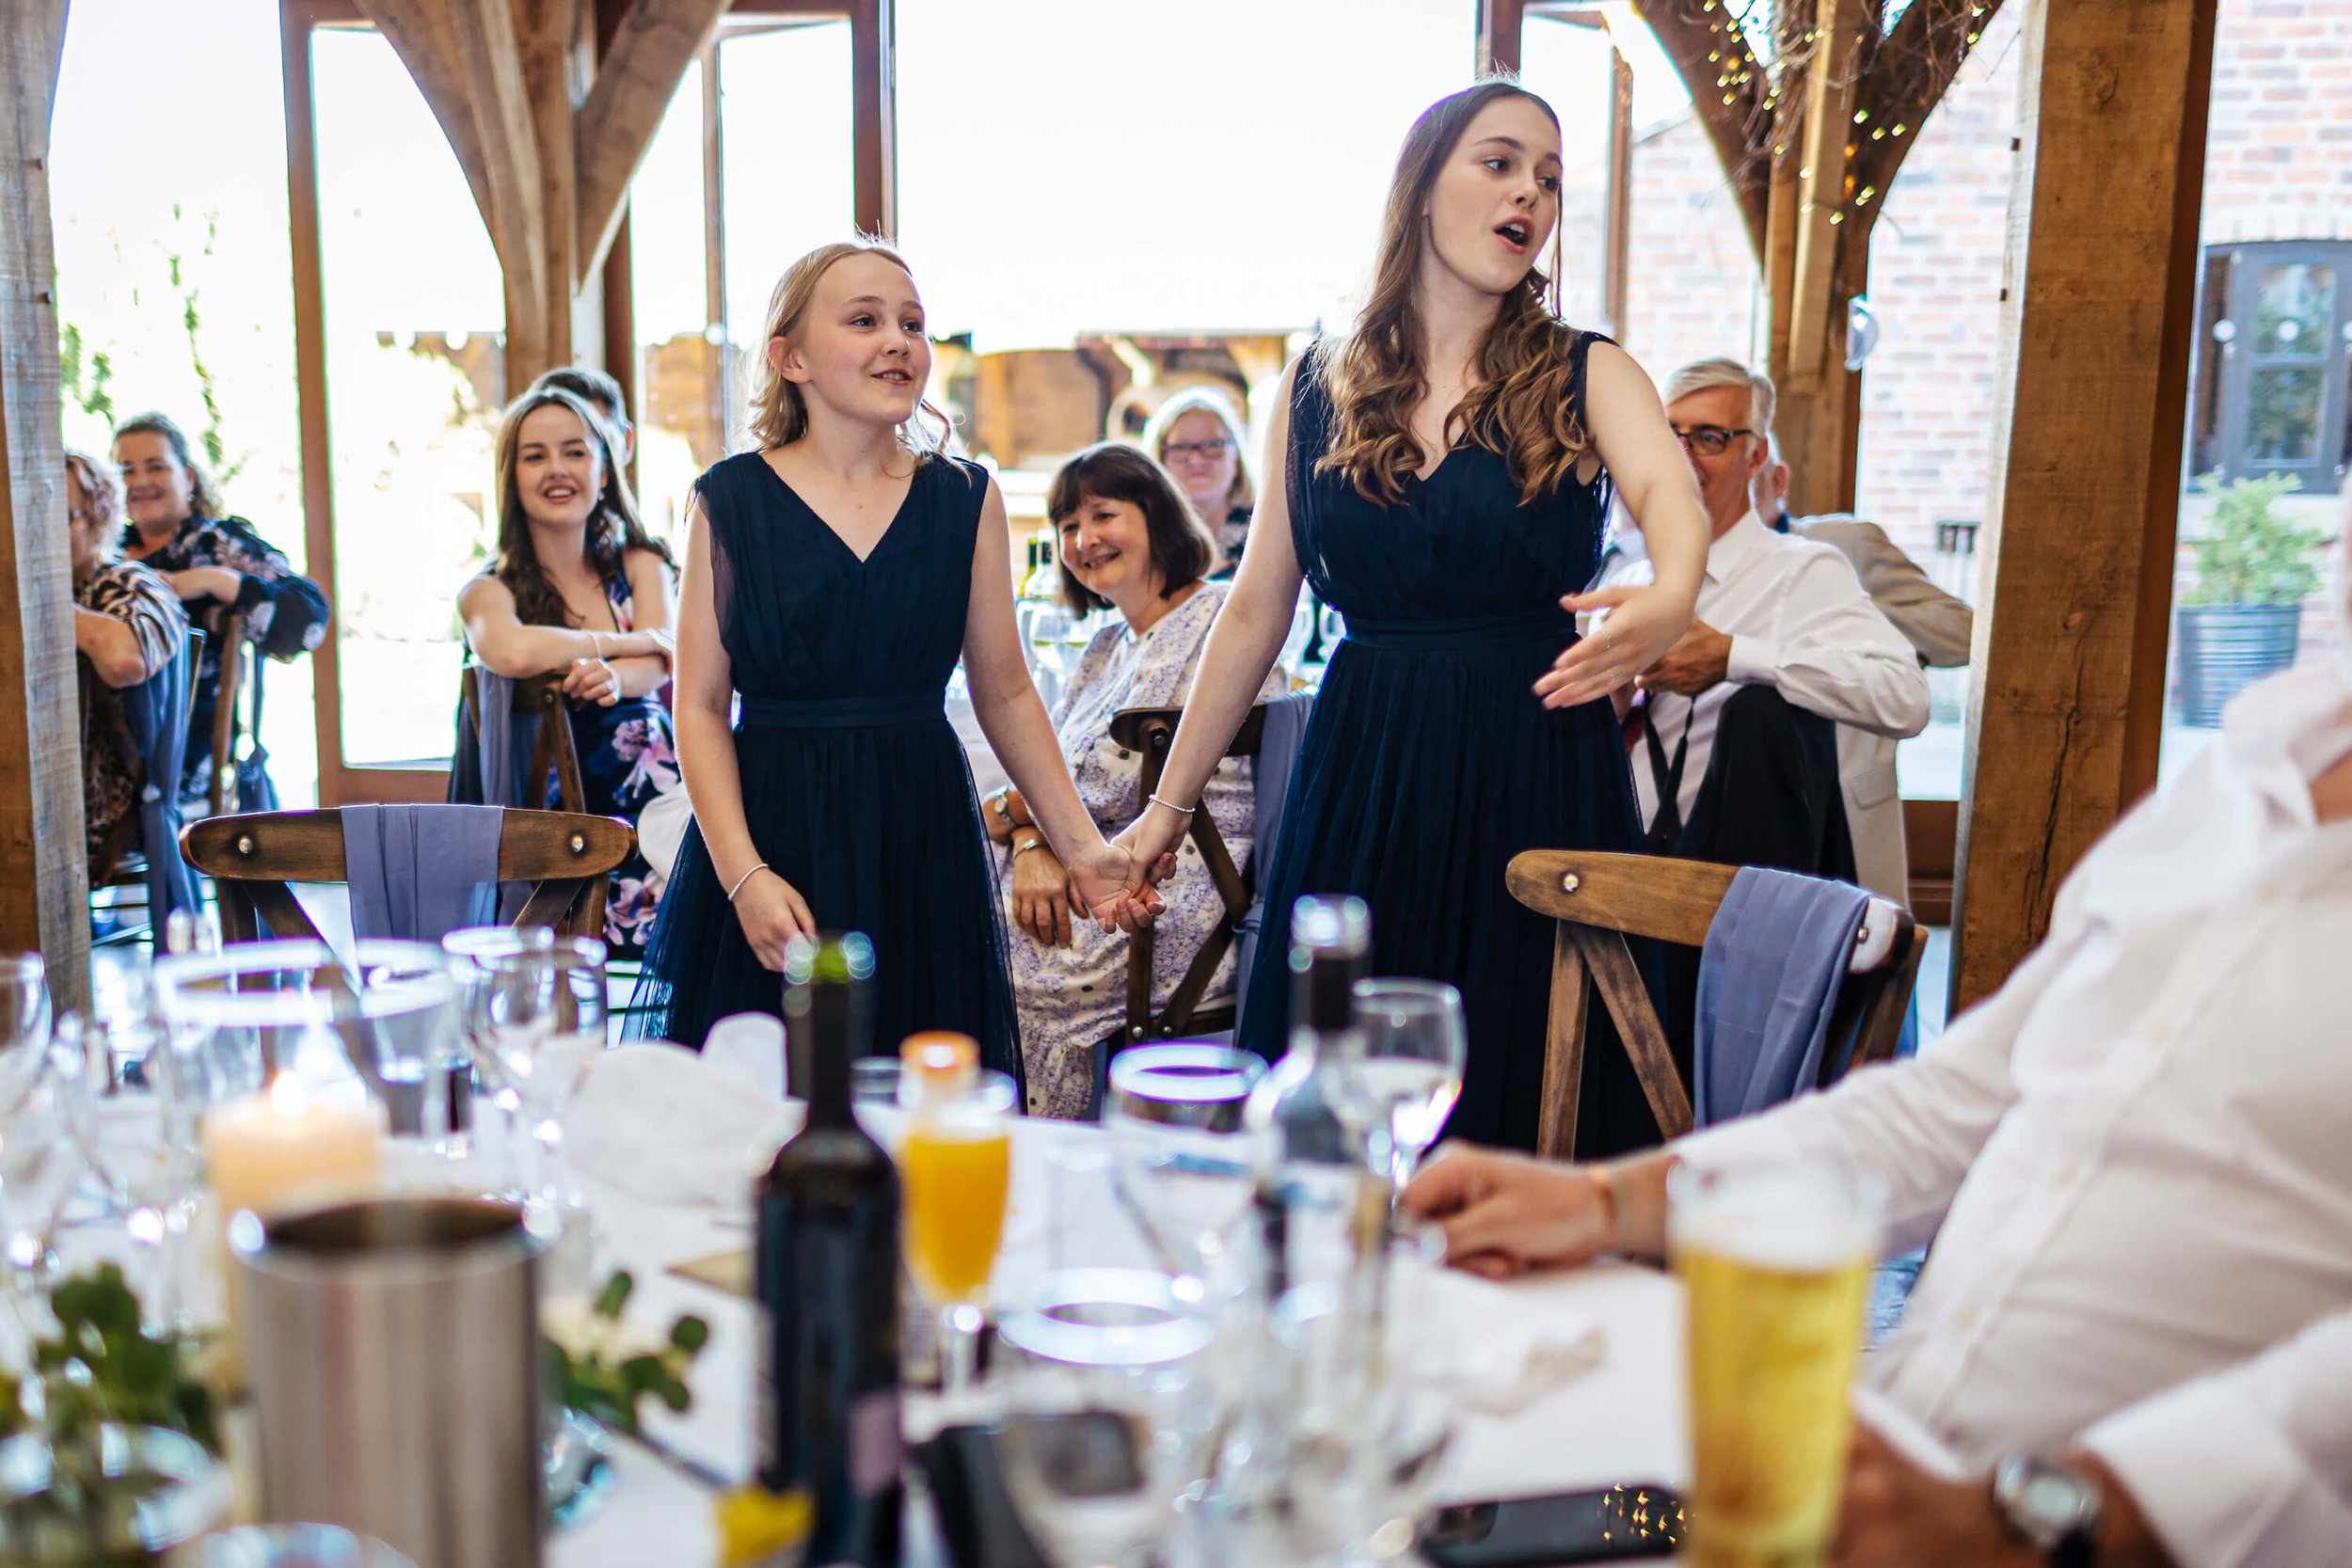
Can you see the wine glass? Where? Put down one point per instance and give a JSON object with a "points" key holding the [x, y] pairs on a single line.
{"points": [[1185, 1165], [148, 1163], [1396, 1091], [40, 1162], [955, 1168], [24, 1022], [1104, 1424], [468, 951], [543, 1009]]}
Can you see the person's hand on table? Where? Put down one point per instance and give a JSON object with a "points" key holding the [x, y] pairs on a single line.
{"points": [[1504, 1214], [1040, 891]]}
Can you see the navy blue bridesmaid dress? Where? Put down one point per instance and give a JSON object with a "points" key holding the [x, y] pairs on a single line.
{"points": [[855, 787], [1429, 762]]}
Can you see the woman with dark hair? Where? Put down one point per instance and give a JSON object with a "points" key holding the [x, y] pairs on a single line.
{"points": [[578, 588], [1440, 474], [177, 527], [1130, 542]]}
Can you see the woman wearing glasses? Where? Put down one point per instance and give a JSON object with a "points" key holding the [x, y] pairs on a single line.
{"points": [[1196, 436], [1444, 470]]}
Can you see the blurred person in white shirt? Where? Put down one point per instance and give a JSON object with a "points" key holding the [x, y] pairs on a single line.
{"points": [[2134, 1161]]}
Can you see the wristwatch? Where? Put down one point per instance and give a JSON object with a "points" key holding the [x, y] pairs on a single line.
{"points": [[2052, 1506]]}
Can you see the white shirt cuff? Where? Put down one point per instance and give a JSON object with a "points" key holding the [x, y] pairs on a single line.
{"points": [[2218, 1483], [1753, 661], [1745, 1143]]}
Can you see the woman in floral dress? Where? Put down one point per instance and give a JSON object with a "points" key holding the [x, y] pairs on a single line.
{"points": [[578, 588], [1129, 542]]}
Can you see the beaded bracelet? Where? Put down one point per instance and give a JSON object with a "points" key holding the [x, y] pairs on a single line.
{"points": [[1187, 812]]}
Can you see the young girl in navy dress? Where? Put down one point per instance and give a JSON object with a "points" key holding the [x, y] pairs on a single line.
{"points": [[1439, 475], [832, 579]]}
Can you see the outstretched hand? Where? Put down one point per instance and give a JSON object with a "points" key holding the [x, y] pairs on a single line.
{"points": [[1641, 624]]}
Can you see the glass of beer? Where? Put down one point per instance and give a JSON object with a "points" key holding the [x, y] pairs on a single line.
{"points": [[1776, 1265], [955, 1169]]}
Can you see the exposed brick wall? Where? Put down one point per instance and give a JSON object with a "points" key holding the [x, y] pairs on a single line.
{"points": [[2278, 166]]}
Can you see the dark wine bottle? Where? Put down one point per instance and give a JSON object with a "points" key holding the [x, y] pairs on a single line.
{"points": [[826, 1260]]}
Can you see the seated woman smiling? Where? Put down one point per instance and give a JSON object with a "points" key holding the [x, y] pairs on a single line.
{"points": [[1130, 542]]}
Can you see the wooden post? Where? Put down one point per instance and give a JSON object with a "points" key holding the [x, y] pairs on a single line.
{"points": [[2067, 704], [1813, 378], [874, 111], [1496, 45], [44, 883]]}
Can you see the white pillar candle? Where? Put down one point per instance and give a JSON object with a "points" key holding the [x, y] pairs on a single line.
{"points": [[272, 1149]]}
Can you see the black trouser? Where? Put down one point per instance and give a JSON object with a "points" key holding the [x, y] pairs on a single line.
{"points": [[1771, 797]]}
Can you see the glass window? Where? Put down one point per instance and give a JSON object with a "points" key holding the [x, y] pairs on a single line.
{"points": [[1572, 64], [414, 316]]}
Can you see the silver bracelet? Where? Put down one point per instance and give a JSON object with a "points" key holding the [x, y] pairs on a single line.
{"points": [[745, 878], [1185, 812], [1021, 849]]}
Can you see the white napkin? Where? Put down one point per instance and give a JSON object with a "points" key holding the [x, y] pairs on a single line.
{"points": [[1500, 1350], [750, 1045], [665, 1125]]}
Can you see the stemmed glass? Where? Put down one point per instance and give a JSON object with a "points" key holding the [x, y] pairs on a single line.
{"points": [[1104, 1424], [1396, 1093], [543, 1016], [147, 1161], [1174, 1115], [468, 951], [24, 1022], [955, 1168]]}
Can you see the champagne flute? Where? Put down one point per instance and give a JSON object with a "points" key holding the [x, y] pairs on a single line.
{"points": [[1402, 1085], [955, 1168]]}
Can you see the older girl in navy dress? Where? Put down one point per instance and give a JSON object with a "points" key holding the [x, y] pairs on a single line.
{"points": [[832, 579], [1439, 475]]}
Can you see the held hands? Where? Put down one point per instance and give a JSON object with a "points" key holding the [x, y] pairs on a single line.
{"points": [[771, 912], [592, 680], [1117, 883], [1504, 1214], [1643, 622]]}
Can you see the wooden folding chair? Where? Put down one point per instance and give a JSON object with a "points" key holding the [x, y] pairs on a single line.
{"points": [[1149, 732], [1601, 900], [554, 751], [565, 857], [226, 627], [115, 862]]}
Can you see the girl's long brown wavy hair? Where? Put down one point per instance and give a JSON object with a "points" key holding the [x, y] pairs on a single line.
{"points": [[1522, 404], [612, 526]]}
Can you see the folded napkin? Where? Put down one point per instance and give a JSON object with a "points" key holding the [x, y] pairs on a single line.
{"points": [[1500, 1351], [664, 1125], [751, 1047]]}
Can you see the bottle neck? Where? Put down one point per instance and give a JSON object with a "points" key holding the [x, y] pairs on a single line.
{"points": [[828, 1025]]}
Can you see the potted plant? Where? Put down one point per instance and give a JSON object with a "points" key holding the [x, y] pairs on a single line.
{"points": [[2241, 621]]}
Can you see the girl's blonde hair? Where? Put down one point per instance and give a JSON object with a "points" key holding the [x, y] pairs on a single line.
{"points": [[101, 500], [779, 414], [1523, 407], [1211, 400]]}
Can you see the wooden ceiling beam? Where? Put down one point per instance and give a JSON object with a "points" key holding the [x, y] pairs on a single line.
{"points": [[635, 81], [1732, 113], [421, 34]]}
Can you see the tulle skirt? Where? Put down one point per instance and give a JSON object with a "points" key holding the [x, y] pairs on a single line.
{"points": [[877, 829], [1426, 767]]}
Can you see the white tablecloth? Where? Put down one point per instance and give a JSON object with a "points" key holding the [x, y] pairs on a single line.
{"points": [[1623, 1421]]}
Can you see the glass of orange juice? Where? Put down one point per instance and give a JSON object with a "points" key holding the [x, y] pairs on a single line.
{"points": [[955, 1167]]}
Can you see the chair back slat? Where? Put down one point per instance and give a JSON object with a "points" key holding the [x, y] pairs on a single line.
{"points": [[1149, 733], [227, 627], [1643, 896], [253, 858]]}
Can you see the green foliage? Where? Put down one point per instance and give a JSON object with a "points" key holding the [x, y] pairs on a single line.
{"points": [[101, 1368], [85, 382], [2254, 554], [604, 1384]]}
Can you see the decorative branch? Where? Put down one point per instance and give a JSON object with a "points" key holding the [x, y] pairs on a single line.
{"points": [[1728, 89], [1904, 75]]}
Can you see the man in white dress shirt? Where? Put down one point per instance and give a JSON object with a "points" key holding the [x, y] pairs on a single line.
{"points": [[1782, 630], [2135, 1159]]}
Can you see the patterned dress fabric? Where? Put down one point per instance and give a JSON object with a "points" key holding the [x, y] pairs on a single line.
{"points": [[855, 787], [137, 596], [628, 755], [1072, 1000], [1429, 762], [213, 542]]}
